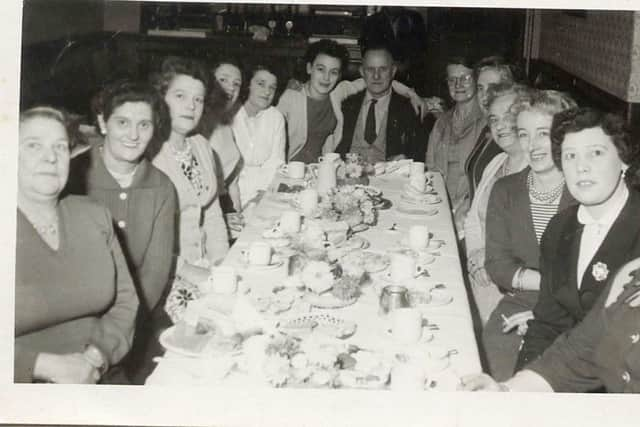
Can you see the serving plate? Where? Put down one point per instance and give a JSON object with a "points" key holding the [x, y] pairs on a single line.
{"points": [[322, 322]]}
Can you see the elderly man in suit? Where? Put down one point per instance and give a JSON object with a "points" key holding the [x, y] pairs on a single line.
{"points": [[380, 124]]}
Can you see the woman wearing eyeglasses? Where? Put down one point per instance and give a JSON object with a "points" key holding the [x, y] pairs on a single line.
{"points": [[455, 133]]}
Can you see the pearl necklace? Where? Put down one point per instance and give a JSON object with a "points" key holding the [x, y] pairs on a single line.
{"points": [[544, 196]]}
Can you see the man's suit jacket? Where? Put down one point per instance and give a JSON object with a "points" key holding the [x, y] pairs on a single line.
{"points": [[561, 305], [405, 134]]}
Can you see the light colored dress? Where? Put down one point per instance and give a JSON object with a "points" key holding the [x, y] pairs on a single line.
{"points": [[203, 235], [261, 141], [486, 297]]}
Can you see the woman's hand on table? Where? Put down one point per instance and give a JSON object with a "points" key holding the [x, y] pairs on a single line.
{"points": [[72, 368], [478, 382], [518, 320], [480, 277], [235, 221]]}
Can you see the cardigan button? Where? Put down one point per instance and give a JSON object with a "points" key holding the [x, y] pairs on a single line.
{"points": [[626, 377], [123, 196], [122, 224]]}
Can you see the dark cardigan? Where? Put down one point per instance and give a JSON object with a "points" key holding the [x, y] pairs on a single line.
{"points": [[510, 238]]}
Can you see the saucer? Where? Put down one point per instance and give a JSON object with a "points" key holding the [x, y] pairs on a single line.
{"points": [[386, 276], [431, 298], [416, 210], [273, 265], [426, 337]]}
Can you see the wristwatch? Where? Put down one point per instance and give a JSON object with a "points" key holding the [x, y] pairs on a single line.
{"points": [[96, 358]]}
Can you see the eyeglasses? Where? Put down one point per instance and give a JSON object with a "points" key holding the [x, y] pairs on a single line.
{"points": [[465, 80]]}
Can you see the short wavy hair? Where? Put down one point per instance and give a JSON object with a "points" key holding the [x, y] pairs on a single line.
{"points": [[329, 48], [497, 63], [521, 91], [69, 122], [578, 119], [548, 102], [122, 91]]}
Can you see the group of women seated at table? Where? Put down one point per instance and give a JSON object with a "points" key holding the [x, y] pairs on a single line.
{"points": [[112, 235]]}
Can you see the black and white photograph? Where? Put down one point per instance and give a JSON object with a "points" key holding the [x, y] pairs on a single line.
{"points": [[292, 214]]}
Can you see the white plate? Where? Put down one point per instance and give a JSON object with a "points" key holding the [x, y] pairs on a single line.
{"points": [[165, 341], [363, 259], [328, 300]]}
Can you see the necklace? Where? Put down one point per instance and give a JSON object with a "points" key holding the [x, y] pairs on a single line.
{"points": [[544, 196], [45, 228], [184, 155]]}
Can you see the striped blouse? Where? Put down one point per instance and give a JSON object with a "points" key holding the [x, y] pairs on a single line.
{"points": [[541, 214]]}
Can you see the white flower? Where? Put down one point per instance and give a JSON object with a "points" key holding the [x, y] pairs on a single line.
{"points": [[600, 271], [317, 276], [276, 370]]}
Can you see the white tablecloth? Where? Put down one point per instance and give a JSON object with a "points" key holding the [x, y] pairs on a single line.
{"points": [[454, 319]]}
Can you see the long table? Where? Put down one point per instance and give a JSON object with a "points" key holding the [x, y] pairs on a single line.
{"points": [[454, 320]]}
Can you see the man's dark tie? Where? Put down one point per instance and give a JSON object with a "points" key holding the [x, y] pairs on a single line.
{"points": [[370, 124]]}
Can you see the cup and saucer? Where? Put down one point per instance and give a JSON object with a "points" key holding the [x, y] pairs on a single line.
{"points": [[259, 256]]}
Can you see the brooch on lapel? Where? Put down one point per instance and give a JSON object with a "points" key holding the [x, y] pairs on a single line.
{"points": [[600, 271]]}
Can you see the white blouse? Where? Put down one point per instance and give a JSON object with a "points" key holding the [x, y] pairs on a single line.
{"points": [[261, 141]]}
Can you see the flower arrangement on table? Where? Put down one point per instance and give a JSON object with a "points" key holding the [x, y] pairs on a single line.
{"points": [[353, 171], [318, 362], [348, 203]]}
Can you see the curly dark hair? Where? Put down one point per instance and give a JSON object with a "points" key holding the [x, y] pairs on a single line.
{"points": [[613, 125], [122, 91], [251, 72], [329, 48], [173, 66], [69, 122], [217, 110]]}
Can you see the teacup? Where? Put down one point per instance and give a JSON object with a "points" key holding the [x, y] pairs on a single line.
{"points": [[403, 267], [406, 325], [259, 253], [290, 222], [308, 200], [329, 157], [419, 237], [408, 376], [294, 170], [417, 168], [224, 280]]}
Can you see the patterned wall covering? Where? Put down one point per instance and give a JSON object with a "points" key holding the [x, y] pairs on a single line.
{"points": [[634, 80], [596, 48]]}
